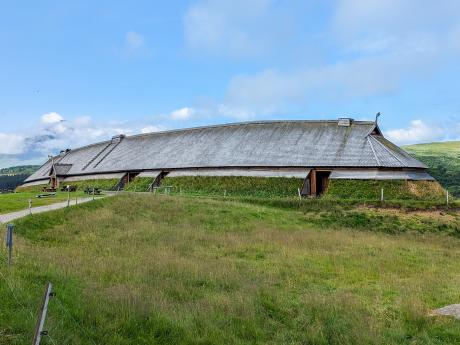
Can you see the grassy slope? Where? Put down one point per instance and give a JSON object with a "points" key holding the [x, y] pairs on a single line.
{"points": [[20, 201], [443, 159], [138, 269]]}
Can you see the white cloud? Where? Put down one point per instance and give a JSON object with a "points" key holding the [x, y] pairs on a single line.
{"points": [[418, 131], [372, 48], [50, 118], [237, 28], [55, 133], [271, 91], [83, 121], [11, 143], [182, 114]]}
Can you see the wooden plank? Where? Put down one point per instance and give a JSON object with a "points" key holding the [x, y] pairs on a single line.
{"points": [[306, 185], [313, 182]]}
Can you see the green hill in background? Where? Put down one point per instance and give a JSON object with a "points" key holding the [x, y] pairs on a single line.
{"points": [[443, 160], [12, 177], [20, 170]]}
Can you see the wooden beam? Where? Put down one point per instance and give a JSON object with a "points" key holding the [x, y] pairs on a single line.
{"points": [[313, 182]]}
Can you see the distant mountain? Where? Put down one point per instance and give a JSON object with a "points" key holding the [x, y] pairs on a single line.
{"points": [[443, 160], [12, 177]]}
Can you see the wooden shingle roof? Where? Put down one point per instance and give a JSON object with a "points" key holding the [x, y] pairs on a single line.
{"points": [[249, 144]]}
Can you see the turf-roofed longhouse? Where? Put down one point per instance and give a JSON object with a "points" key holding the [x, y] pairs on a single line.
{"points": [[314, 151]]}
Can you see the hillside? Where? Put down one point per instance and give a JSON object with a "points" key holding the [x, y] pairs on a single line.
{"points": [[20, 170], [443, 160], [12, 177], [144, 269]]}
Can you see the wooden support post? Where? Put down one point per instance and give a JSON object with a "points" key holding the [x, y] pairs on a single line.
{"points": [[41, 318], [68, 196], [93, 193], [298, 192], [381, 195], [313, 182], [30, 206]]}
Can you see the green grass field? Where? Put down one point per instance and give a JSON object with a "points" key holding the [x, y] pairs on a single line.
{"points": [[19, 201], [140, 269], [443, 160]]}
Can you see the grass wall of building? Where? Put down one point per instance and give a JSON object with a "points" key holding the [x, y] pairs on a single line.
{"points": [[103, 184], [31, 189], [235, 185], [139, 184], [392, 190]]}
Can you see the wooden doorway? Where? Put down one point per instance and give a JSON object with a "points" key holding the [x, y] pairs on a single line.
{"points": [[322, 181], [316, 183], [54, 182]]}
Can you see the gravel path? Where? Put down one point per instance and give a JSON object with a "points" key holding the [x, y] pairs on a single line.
{"points": [[450, 310], [8, 217]]}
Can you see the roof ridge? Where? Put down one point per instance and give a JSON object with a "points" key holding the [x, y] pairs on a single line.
{"points": [[373, 150], [235, 124], [389, 151]]}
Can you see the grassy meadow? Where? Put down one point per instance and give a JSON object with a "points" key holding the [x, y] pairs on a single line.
{"points": [[144, 269], [19, 201]]}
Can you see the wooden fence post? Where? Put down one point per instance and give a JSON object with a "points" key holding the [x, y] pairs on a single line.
{"points": [[381, 195], [30, 206]]}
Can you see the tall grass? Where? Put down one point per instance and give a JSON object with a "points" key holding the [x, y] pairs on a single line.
{"points": [[139, 269]]}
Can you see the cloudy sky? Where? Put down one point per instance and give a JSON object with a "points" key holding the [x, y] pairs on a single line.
{"points": [[77, 72]]}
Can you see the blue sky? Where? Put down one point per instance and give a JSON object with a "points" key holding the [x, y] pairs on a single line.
{"points": [[73, 73]]}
